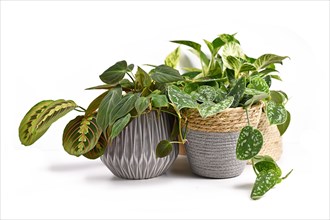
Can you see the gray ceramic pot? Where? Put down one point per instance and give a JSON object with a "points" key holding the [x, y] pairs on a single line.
{"points": [[132, 154]]}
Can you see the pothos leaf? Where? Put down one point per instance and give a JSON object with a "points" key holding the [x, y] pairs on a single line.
{"points": [[267, 59], [276, 113], [259, 84], [119, 125], [180, 99], [265, 163], [249, 143], [238, 91], [173, 58], [40, 117], [210, 108], [81, 135], [98, 150], [283, 127], [264, 182], [205, 93], [164, 148]]}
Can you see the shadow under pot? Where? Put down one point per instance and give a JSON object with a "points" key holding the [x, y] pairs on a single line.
{"points": [[132, 154], [211, 142]]}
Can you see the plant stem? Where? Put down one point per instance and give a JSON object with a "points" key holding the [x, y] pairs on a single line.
{"points": [[131, 78], [82, 109], [247, 116]]}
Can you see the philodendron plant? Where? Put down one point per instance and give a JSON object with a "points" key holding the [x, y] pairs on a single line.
{"points": [[108, 114], [228, 78]]}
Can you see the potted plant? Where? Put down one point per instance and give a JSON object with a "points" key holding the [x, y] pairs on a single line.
{"points": [[220, 105], [123, 125]]}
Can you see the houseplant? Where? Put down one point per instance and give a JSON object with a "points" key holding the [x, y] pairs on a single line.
{"points": [[220, 103], [114, 124]]}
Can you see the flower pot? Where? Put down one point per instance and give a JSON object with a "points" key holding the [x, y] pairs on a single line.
{"points": [[211, 145], [132, 154]]}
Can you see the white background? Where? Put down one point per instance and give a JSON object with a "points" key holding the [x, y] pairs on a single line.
{"points": [[52, 50]]}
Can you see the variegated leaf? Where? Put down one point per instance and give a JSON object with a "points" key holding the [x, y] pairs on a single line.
{"points": [[264, 182], [265, 163], [40, 117], [98, 150], [259, 84], [249, 143], [267, 59], [238, 91], [210, 108], [205, 93], [173, 58], [276, 113], [283, 127], [81, 135], [180, 99]]}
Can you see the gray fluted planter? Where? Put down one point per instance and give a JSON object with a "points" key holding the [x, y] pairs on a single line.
{"points": [[132, 154]]}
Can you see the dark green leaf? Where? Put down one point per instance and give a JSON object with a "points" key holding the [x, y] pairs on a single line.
{"points": [[190, 87], [159, 101], [106, 86], [143, 79], [283, 127], [114, 73], [164, 148], [276, 113], [141, 104], [119, 125], [238, 91], [94, 105], [192, 74], [180, 99], [268, 80], [264, 182], [166, 74], [249, 143], [126, 84]]}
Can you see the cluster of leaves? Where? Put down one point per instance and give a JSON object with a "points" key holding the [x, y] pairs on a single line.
{"points": [[228, 78]]}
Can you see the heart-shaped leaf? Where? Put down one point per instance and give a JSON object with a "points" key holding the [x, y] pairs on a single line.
{"points": [[166, 74], [142, 104], [205, 93], [276, 113], [159, 101], [173, 58], [267, 59], [210, 108], [259, 84], [283, 127], [98, 150], [119, 125], [81, 135], [277, 97], [143, 80], [164, 148], [238, 91], [264, 182], [266, 163], [249, 143], [180, 99], [115, 73], [40, 117]]}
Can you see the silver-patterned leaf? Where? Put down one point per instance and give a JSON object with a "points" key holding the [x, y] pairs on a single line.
{"points": [[249, 143], [259, 84], [180, 99], [210, 108], [205, 93], [264, 182], [276, 113]]}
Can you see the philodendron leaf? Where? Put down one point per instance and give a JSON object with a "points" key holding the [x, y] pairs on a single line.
{"points": [[276, 113], [264, 182], [266, 163], [283, 127], [122, 108], [238, 91], [267, 59], [115, 73], [210, 108], [180, 99], [143, 79], [94, 105], [259, 84], [119, 125], [173, 58], [126, 84], [98, 150], [159, 101], [205, 93], [40, 117], [249, 143], [166, 74], [81, 135], [106, 106], [142, 104], [164, 148]]}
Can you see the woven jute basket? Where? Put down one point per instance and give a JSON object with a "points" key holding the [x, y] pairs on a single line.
{"points": [[211, 145]]}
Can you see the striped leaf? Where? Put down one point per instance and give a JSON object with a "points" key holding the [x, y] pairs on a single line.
{"points": [[40, 117], [268, 59], [98, 150], [81, 135]]}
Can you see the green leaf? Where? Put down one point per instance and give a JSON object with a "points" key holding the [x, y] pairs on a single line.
{"points": [[173, 58], [255, 99], [180, 99], [259, 84], [283, 127], [143, 79], [217, 43], [191, 74], [106, 106], [277, 97], [205, 93], [247, 67], [249, 143], [194, 45], [122, 108], [94, 105], [141, 104], [119, 125], [226, 38], [166, 74], [264, 182], [276, 113], [106, 86], [238, 91], [231, 49], [159, 101], [267, 59], [115, 73], [164, 148], [234, 63], [81, 135], [40, 117], [276, 77], [268, 80], [126, 84], [210, 108], [190, 87], [266, 163], [98, 150]]}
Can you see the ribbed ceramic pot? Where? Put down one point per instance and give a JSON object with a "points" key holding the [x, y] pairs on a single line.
{"points": [[211, 146], [132, 154]]}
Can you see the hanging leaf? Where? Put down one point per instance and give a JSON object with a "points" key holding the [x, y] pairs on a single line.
{"points": [[210, 108], [98, 150], [265, 163], [106, 106], [159, 101], [40, 117], [141, 104], [237, 91], [143, 79], [276, 113], [119, 125], [166, 74], [173, 58], [255, 98], [283, 127], [205, 93], [264, 182], [180, 99], [249, 143], [163, 149], [267, 59], [115, 73], [94, 105], [259, 84], [81, 135], [277, 97]]}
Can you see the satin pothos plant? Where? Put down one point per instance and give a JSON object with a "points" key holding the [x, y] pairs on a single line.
{"points": [[108, 114], [228, 78]]}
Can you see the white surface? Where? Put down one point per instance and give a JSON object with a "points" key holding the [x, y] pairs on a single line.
{"points": [[52, 50]]}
